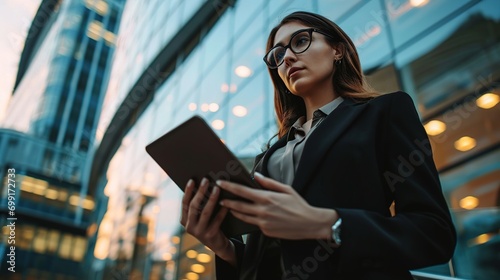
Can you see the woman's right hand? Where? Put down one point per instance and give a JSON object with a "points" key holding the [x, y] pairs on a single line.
{"points": [[197, 211]]}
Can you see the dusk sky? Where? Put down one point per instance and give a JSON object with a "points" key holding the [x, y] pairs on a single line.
{"points": [[15, 20]]}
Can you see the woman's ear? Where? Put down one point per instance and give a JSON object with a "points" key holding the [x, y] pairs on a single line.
{"points": [[338, 51]]}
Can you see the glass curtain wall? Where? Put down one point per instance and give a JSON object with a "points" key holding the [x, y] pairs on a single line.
{"points": [[443, 53]]}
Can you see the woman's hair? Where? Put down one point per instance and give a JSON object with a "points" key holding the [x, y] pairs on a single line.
{"points": [[348, 79]]}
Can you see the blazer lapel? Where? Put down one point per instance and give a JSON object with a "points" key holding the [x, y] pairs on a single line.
{"points": [[323, 137]]}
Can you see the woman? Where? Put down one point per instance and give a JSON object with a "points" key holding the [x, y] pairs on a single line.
{"points": [[344, 155]]}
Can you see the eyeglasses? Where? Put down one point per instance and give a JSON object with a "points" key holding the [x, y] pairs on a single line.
{"points": [[299, 43]]}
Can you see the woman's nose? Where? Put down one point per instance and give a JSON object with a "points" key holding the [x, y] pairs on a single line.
{"points": [[289, 56]]}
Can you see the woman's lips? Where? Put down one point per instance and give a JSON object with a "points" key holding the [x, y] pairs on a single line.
{"points": [[293, 71]]}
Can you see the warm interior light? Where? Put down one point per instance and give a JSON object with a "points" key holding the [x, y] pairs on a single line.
{"points": [[176, 239], [198, 268], [488, 100], [204, 107], [51, 194], [435, 127], [101, 248], [240, 111], [233, 88], [95, 30], [243, 71], [218, 124], [481, 239], [191, 254], [469, 202], [418, 3], [167, 256], [224, 87], [204, 258], [192, 276], [110, 38], [213, 107], [465, 143]]}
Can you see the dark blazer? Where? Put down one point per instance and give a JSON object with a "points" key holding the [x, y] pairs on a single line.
{"points": [[361, 158]]}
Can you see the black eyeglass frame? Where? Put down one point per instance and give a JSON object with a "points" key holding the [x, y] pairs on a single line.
{"points": [[288, 46]]}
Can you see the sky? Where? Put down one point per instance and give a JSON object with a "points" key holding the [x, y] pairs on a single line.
{"points": [[15, 20]]}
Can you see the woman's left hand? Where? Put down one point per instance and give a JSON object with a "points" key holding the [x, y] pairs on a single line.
{"points": [[278, 210]]}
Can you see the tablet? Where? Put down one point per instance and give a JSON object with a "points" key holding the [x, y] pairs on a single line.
{"points": [[192, 150]]}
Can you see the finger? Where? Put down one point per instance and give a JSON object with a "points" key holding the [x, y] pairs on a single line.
{"points": [[243, 191], [272, 185], [195, 207], [207, 211], [245, 218], [186, 199], [242, 207], [219, 218]]}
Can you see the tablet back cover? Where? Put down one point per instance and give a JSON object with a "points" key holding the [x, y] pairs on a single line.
{"points": [[192, 151]]}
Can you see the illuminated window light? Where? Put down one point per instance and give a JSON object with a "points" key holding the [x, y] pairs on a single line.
{"points": [[243, 71], [167, 256], [192, 276], [205, 107], [192, 106], [233, 88], [173, 250], [487, 100], [198, 268], [176, 239], [213, 107], [218, 124], [191, 254], [100, 6], [95, 30], [481, 239], [204, 258], [435, 127], [240, 111], [469, 202], [87, 203], [51, 194], [110, 38], [465, 143], [418, 3], [224, 87], [101, 248]]}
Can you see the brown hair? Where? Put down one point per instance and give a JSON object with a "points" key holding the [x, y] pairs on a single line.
{"points": [[348, 79]]}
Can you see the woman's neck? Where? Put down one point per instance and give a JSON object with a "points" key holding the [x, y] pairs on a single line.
{"points": [[316, 101]]}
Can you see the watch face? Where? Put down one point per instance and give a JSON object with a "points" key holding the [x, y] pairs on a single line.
{"points": [[336, 231]]}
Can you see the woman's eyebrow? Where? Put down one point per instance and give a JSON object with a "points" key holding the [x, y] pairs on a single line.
{"points": [[280, 43]]}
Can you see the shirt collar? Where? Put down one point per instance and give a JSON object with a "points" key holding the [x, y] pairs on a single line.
{"points": [[328, 108], [325, 109]]}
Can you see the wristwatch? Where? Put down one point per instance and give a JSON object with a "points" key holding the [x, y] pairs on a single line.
{"points": [[336, 231]]}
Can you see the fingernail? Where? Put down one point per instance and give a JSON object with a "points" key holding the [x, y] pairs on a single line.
{"points": [[257, 174], [204, 181], [215, 190], [222, 203], [218, 182], [190, 182]]}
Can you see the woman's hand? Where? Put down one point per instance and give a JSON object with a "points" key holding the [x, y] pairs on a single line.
{"points": [[197, 211], [279, 211]]}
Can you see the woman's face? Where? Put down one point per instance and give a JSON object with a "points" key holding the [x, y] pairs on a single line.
{"points": [[310, 71]]}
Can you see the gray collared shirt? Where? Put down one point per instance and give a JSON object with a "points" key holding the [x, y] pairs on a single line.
{"points": [[284, 161]]}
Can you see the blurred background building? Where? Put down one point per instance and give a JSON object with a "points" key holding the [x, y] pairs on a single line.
{"points": [[47, 132], [175, 59]]}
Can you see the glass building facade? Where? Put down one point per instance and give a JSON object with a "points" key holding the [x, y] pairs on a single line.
{"points": [[46, 135], [176, 59]]}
